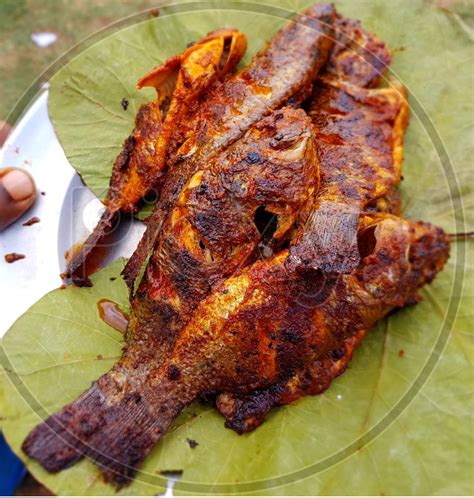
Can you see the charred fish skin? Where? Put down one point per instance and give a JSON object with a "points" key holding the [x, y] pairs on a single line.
{"points": [[141, 164], [359, 132], [358, 56], [247, 412], [300, 49], [359, 128]]}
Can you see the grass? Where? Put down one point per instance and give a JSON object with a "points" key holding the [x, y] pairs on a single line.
{"points": [[21, 61]]}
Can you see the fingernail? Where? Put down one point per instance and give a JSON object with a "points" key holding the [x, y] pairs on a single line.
{"points": [[18, 184]]}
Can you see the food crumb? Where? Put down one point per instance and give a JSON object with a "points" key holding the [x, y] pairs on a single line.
{"points": [[43, 193], [62, 287], [13, 256], [155, 12], [27, 162], [31, 221], [100, 357], [191, 44], [113, 278], [339, 397], [124, 104], [401, 353], [192, 443]]}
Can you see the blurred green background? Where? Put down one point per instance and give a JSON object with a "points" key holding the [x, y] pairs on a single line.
{"points": [[21, 60]]}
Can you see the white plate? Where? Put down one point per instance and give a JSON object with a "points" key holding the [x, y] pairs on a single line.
{"points": [[67, 212]]}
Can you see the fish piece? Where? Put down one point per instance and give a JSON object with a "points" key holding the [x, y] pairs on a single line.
{"points": [[359, 134], [212, 231], [282, 72], [232, 345], [141, 165], [246, 412], [359, 128]]}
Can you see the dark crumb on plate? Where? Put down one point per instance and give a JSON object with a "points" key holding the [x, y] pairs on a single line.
{"points": [[401, 353], [112, 279], [43, 193], [192, 443], [13, 256], [62, 287], [31, 221], [190, 44], [155, 12], [124, 104], [100, 357]]}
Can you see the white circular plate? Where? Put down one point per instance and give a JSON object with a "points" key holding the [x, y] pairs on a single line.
{"points": [[67, 211]]}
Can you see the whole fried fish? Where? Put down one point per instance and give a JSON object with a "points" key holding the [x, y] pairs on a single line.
{"points": [[280, 144], [210, 233], [359, 133]]}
